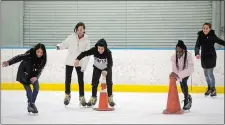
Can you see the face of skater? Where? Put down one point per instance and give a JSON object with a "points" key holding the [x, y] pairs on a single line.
{"points": [[80, 31], [39, 53], [40, 50], [206, 28], [101, 49], [179, 52]]}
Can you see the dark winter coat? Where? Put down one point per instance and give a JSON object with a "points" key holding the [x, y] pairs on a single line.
{"points": [[102, 61], [28, 68], [208, 52]]}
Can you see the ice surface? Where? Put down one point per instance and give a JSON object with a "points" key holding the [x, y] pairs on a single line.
{"points": [[131, 108]]}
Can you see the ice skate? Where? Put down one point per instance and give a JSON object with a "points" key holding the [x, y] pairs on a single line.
{"points": [[187, 103], [213, 92], [67, 99], [82, 101], [92, 101], [35, 110], [30, 108], [190, 100], [209, 90], [111, 102]]}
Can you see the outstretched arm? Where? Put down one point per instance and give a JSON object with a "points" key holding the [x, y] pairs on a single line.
{"points": [[86, 53], [64, 44], [220, 41], [18, 58]]}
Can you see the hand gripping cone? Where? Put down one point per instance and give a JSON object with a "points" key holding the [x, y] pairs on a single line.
{"points": [[103, 101], [173, 103]]}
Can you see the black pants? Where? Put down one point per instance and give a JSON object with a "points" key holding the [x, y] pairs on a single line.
{"points": [[184, 87], [80, 76], [95, 81]]}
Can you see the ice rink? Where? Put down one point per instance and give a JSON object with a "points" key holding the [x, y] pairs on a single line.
{"points": [[131, 108]]}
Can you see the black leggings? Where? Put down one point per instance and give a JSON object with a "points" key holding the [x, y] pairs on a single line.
{"points": [[80, 76], [95, 81], [184, 87]]}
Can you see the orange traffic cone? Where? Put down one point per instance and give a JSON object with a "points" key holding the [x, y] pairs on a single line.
{"points": [[173, 103], [103, 101]]}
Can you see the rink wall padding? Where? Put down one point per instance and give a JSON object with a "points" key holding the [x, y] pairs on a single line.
{"points": [[134, 70], [116, 88]]}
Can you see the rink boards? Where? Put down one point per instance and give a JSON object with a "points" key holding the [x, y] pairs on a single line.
{"points": [[134, 70]]}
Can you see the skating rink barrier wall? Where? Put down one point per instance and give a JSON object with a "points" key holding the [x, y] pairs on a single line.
{"points": [[134, 70]]}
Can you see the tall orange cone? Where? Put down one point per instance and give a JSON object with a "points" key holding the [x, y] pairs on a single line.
{"points": [[173, 103], [103, 101]]}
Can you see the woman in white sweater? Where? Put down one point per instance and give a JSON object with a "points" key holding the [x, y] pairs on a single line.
{"points": [[76, 43]]}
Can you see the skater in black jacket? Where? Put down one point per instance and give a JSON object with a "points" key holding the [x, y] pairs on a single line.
{"points": [[102, 64], [29, 71], [206, 40]]}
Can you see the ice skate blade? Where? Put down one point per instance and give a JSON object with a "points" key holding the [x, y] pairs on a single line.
{"points": [[81, 106], [84, 105], [107, 109], [186, 110], [213, 97], [90, 106], [32, 114]]}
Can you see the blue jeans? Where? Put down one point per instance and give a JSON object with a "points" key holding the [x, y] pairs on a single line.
{"points": [[209, 76], [31, 96]]}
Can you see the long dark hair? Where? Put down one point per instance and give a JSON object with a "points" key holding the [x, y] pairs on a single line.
{"points": [[183, 46], [34, 59]]}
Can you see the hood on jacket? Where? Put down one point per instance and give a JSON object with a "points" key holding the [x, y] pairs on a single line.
{"points": [[101, 42], [211, 33]]}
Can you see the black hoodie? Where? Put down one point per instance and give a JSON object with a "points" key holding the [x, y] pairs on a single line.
{"points": [[101, 61], [208, 52]]}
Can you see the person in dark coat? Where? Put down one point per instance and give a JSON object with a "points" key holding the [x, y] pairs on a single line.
{"points": [[29, 71], [206, 40]]}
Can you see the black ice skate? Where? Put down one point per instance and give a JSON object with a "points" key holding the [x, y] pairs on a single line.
{"points": [[111, 102], [209, 90], [35, 110], [92, 101], [67, 99], [190, 100], [187, 103], [30, 108], [82, 101], [213, 92]]}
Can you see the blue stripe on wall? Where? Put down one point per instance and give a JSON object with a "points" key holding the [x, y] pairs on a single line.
{"points": [[110, 49]]}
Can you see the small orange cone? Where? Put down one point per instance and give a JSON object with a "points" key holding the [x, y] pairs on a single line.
{"points": [[103, 101], [173, 103]]}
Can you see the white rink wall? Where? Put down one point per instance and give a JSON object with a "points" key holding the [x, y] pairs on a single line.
{"points": [[130, 67]]}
